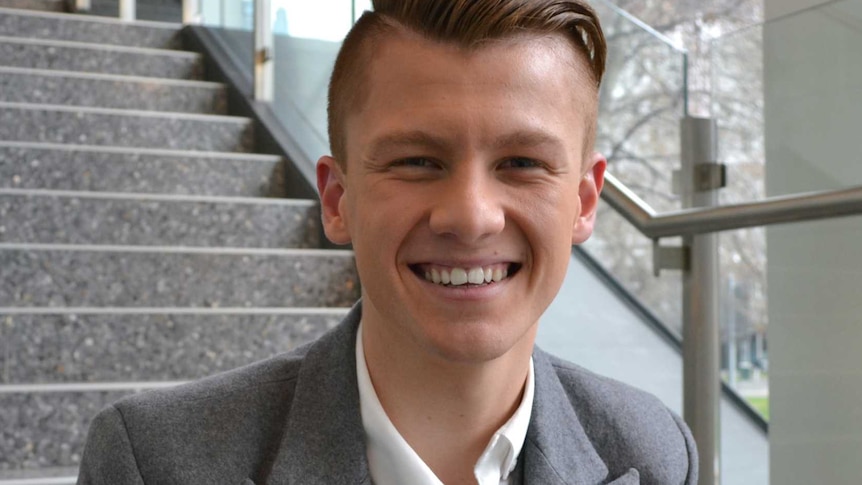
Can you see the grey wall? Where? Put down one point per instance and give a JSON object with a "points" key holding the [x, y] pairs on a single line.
{"points": [[813, 105]]}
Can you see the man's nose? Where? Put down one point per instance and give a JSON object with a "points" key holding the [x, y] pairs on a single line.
{"points": [[469, 206]]}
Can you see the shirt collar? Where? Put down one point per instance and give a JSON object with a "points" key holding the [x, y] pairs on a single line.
{"points": [[391, 460]]}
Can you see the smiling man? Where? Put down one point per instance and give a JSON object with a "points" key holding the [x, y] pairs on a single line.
{"points": [[462, 173]]}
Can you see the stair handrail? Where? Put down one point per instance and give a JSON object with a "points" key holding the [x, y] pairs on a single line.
{"points": [[809, 206]]}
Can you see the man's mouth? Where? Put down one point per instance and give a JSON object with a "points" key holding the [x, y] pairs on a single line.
{"points": [[458, 276]]}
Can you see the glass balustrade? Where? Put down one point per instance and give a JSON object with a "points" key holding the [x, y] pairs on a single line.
{"points": [[642, 99], [232, 23], [787, 96]]}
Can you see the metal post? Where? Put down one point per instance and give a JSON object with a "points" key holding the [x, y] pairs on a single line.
{"points": [[701, 382], [127, 10], [191, 11], [263, 51]]}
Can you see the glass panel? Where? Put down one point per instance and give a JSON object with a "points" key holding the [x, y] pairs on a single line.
{"points": [[641, 102], [744, 316], [232, 22], [787, 95], [304, 55], [154, 10], [229, 14], [627, 255]]}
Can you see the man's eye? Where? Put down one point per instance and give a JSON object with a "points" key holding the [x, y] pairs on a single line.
{"points": [[420, 162], [520, 162]]}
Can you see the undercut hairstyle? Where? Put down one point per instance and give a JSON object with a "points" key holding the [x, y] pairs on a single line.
{"points": [[467, 24]]}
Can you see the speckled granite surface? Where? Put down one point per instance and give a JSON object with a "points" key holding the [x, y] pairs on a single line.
{"points": [[66, 219], [81, 168], [98, 58], [163, 130], [42, 430], [83, 90], [123, 348], [79, 28], [55, 278]]}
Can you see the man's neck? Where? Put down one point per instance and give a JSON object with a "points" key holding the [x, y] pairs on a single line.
{"points": [[447, 411]]}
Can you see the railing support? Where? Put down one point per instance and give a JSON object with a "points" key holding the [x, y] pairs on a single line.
{"points": [[263, 51], [191, 12], [82, 6], [127, 10], [701, 380]]}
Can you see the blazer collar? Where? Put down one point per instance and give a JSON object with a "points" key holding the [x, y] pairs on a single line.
{"points": [[324, 441], [557, 449]]}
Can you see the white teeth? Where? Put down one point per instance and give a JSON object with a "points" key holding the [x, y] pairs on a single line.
{"points": [[476, 276], [444, 277], [461, 276], [458, 277], [498, 275]]}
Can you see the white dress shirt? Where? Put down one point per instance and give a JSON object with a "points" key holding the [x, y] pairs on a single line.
{"points": [[391, 460]]}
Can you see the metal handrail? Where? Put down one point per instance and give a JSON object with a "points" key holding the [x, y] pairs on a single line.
{"points": [[773, 210]]}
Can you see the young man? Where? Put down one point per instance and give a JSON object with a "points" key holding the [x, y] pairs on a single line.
{"points": [[462, 173]]}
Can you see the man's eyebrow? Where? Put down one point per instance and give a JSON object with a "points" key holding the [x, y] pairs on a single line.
{"points": [[401, 139], [527, 139], [521, 139]]}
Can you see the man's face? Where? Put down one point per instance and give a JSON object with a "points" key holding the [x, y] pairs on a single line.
{"points": [[464, 165]]}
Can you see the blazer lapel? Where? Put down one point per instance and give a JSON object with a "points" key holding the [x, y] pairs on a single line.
{"points": [[557, 449], [324, 440]]}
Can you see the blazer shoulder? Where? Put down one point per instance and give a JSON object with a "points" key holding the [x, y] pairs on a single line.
{"points": [[210, 430], [630, 428], [277, 371]]}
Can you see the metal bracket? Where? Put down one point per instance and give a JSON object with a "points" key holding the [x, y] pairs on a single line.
{"points": [[669, 257], [264, 55], [709, 176]]}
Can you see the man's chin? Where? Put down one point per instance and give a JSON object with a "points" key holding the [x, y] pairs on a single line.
{"points": [[477, 345]]}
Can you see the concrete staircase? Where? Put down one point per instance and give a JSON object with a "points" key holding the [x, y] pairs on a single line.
{"points": [[142, 242]]}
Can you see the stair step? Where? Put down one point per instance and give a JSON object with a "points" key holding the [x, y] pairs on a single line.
{"points": [[110, 169], [43, 5], [96, 30], [37, 275], [98, 58], [155, 345], [40, 476], [47, 429], [68, 217], [102, 126], [110, 91]]}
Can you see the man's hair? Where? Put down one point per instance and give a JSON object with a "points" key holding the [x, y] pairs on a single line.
{"points": [[464, 23]]}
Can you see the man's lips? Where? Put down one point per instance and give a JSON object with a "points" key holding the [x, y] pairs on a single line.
{"points": [[460, 275]]}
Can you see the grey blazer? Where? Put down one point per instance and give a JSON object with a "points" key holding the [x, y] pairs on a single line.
{"points": [[294, 419]]}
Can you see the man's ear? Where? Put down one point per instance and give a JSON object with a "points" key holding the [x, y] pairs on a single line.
{"points": [[589, 189], [330, 184]]}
